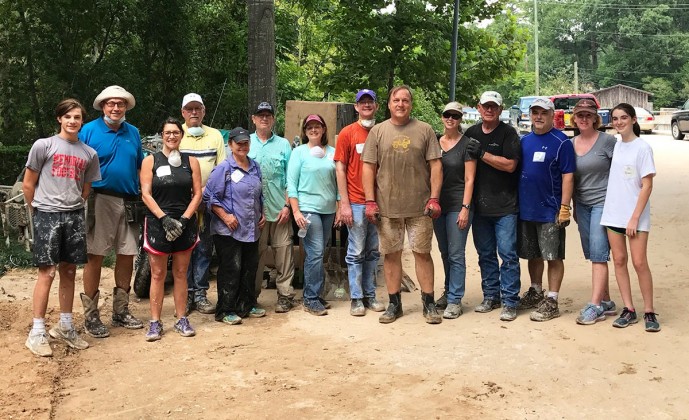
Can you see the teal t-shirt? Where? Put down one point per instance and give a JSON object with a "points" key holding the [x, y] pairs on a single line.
{"points": [[312, 180], [272, 157]]}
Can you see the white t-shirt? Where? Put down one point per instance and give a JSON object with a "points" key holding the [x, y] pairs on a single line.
{"points": [[631, 161]]}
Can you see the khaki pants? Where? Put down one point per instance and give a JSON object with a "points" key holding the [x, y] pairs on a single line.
{"points": [[279, 237]]}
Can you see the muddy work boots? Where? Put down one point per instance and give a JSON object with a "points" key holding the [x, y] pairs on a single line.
{"points": [[92, 323], [430, 311], [121, 317], [394, 309]]}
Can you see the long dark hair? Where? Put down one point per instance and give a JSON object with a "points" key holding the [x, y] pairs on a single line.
{"points": [[629, 110]]}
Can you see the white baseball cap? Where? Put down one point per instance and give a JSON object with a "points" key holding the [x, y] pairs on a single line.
{"points": [[491, 96], [544, 103], [191, 97]]}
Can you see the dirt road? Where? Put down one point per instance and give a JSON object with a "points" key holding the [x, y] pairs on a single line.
{"points": [[299, 366]]}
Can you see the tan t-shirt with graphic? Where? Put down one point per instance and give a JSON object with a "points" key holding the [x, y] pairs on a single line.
{"points": [[403, 178]]}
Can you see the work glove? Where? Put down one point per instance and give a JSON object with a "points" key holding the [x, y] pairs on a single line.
{"points": [[475, 149], [172, 227], [432, 208], [563, 217], [184, 221], [372, 212]]}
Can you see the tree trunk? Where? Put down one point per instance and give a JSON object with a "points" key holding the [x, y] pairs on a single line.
{"points": [[31, 73], [261, 19]]}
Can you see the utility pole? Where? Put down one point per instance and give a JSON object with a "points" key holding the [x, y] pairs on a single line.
{"points": [[453, 60], [535, 18], [576, 77]]}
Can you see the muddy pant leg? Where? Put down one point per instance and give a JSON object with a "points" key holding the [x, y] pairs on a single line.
{"points": [[229, 266]]}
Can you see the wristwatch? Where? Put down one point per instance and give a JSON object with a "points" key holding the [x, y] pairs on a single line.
{"points": [[467, 206]]}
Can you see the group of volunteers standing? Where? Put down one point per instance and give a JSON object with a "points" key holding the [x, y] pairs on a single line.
{"points": [[102, 163], [380, 181], [608, 181], [516, 194]]}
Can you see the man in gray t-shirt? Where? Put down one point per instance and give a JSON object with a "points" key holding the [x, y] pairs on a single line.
{"points": [[59, 172], [63, 168]]}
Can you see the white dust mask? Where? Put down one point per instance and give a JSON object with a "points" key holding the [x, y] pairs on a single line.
{"points": [[114, 122], [195, 131], [317, 151], [367, 123], [174, 159]]}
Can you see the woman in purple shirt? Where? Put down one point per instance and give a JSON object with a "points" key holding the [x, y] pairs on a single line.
{"points": [[233, 193]]}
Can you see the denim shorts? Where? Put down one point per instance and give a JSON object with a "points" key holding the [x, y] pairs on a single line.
{"points": [[594, 238]]}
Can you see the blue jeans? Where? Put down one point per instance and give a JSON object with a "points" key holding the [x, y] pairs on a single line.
{"points": [[491, 233], [198, 273], [362, 255], [594, 238], [315, 241], [452, 243]]}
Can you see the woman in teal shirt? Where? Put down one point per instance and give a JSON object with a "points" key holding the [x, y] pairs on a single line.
{"points": [[312, 191]]}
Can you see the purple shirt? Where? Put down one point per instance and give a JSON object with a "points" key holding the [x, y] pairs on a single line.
{"points": [[238, 192]]}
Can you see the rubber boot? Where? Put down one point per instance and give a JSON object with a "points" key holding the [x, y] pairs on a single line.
{"points": [[92, 323], [121, 317], [430, 311], [394, 309]]}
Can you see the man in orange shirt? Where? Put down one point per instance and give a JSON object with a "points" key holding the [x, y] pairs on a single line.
{"points": [[362, 250]]}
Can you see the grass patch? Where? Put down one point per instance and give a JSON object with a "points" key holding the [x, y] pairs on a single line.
{"points": [[14, 256]]}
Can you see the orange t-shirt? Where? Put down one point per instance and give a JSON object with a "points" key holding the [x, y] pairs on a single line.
{"points": [[348, 150]]}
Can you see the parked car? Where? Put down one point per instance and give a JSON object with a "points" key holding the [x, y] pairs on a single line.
{"points": [[505, 116], [679, 122], [519, 113], [646, 120]]}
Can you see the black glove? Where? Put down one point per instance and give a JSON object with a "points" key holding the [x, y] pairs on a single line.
{"points": [[474, 149], [184, 221], [172, 227]]}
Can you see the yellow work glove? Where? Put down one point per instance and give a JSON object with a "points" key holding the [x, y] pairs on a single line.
{"points": [[564, 216]]}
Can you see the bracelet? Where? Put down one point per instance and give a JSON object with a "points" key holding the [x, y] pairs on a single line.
{"points": [[567, 206]]}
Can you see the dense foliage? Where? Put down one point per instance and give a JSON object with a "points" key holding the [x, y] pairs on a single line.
{"points": [[325, 50], [633, 42]]}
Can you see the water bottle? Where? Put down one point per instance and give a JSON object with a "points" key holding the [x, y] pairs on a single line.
{"points": [[302, 231]]}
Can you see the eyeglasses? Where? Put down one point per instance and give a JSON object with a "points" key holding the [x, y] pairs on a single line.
{"points": [[116, 104], [490, 106], [171, 133], [585, 116], [194, 109], [263, 116], [366, 103], [455, 117]]}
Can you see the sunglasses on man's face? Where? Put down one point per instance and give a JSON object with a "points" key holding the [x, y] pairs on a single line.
{"points": [[451, 115]]}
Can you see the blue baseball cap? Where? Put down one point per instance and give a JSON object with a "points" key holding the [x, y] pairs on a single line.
{"points": [[364, 92]]}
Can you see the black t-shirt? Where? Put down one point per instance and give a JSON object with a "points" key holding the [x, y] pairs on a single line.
{"points": [[495, 191], [171, 186], [452, 192]]}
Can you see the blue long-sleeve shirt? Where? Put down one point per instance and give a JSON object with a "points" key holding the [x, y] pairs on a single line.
{"points": [[238, 192]]}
